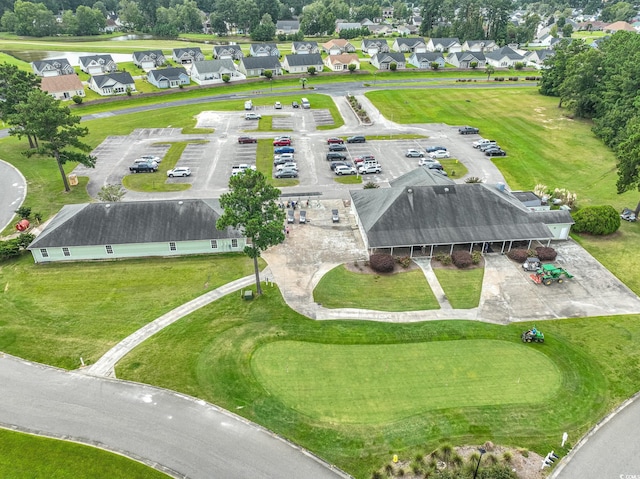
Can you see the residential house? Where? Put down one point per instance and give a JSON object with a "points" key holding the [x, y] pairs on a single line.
{"points": [[504, 57], [62, 87], [112, 83], [264, 50], [409, 45], [592, 26], [465, 59], [536, 58], [168, 77], [423, 211], [301, 63], [339, 63], [424, 60], [347, 26], [230, 52], [387, 12], [149, 59], [617, 26], [256, 66], [53, 67], [135, 229], [449, 45], [337, 46], [383, 61], [546, 40], [380, 29], [208, 72], [303, 48], [287, 27], [373, 46], [415, 20], [482, 46], [187, 55], [96, 64]]}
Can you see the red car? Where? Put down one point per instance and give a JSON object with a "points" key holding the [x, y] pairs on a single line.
{"points": [[334, 140], [247, 139], [282, 142], [362, 159]]}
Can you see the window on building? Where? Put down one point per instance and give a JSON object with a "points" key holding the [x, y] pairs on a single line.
{"points": [[109, 249], [44, 252], [66, 252], [214, 244], [172, 246], [234, 243]]}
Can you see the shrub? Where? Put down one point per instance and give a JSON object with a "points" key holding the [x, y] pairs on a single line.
{"points": [[369, 185], [445, 259], [476, 256], [545, 253], [519, 255], [514, 78], [462, 259], [597, 220], [403, 261], [473, 179], [77, 99], [382, 263], [507, 456], [24, 212], [226, 78], [519, 66]]}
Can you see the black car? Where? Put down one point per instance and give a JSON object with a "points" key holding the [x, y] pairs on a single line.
{"points": [[433, 166], [335, 156], [356, 139], [339, 163], [337, 147], [495, 152], [295, 104], [468, 130], [431, 149], [144, 166]]}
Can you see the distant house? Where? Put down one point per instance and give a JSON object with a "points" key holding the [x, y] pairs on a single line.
{"points": [[347, 26], [617, 26], [168, 77], [545, 40], [62, 87], [387, 12], [424, 60], [256, 66], [536, 58], [301, 48], [149, 59], [112, 84], [287, 27], [53, 67], [135, 229], [187, 55], [301, 63], [264, 50], [380, 29], [338, 46], [372, 46], [409, 45], [449, 45], [231, 52], [482, 46], [383, 61], [338, 63], [504, 57], [96, 64], [208, 72], [592, 26], [415, 20], [465, 59]]}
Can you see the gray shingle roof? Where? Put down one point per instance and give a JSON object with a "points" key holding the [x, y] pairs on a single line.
{"points": [[468, 55], [138, 56], [58, 63], [86, 60], [421, 176], [504, 52], [227, 48], [134, 222], [410, 41], [168, 73], [215, 66], [428, 56], [389, 57], [373, 42], [268, 63], [124, 78], [310, 59]]}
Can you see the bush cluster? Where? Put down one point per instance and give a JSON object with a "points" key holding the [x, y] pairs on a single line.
{"points": [[382, 263], [597, 220], [514, 78], [532, 78], [461, 259], [403, 261], [11, 248], [445, 259], [465, 79], [545, 253], [498, 78], [519, 255], [476, 256]]}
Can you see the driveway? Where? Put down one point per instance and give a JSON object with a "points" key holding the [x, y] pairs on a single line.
{"points": [[13, 189]]}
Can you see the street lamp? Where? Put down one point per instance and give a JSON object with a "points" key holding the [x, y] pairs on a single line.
{"points": [[481, 451]]}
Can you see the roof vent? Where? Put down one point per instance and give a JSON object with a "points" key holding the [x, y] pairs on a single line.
{"points": [[107, 205], [409, 190], [180, 202], [446, 190], [501, 186]]}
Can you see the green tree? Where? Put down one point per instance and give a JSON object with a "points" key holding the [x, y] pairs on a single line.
{"points": [[189, 17], [489, 69], [317, 19], [218, 25], [90, 21], [268, 74], [130, 15], [581, 88], [15, 86], [270, 7], [250, 206], [567, 31], [555, 69], [618, 11], [264, 32], [69, 23], [311, 70], [111, 193], [431, 11], [628, 155], [352, 67]]}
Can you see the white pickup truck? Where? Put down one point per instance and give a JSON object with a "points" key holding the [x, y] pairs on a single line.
{"points": [[482, 142], [235, 170]]}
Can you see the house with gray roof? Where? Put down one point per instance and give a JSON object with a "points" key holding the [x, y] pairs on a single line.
{"points": [[112, 83], [465, 59], [424, 211], [504, 57], [448, 45], [536, 58], [409, 45], [209, 72], [373, 46], [264, 50], [135, 229], [287, 27], [347, 26], [302, 48], [149, 59], [96, 64], [482, 46], [424, 60], [383, 61], [301, 63], [168, 77], [53, 67], [231, 52], [187, 55], [256, 66]]}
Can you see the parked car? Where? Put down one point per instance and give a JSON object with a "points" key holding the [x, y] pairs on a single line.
{"points": [[288, 173], [337, 147], [290, 165], [290, 216], [434, 166], [483, 141], [368, 169], [277, 105], [284, 149], [144, 167], [335, 164], [468, 130], [628, 215], [295, 104], [334, 155], [431, 149], [413, 154], [495, 152], [335, 140], [252, 116], [303, 217], [344, 170], [335, 217], [155, 158], [283, 137], [356, 139], [237, 169], [439, 154], [487, 146], [427, 161], [363, 158], [282, 142], [141, 160], [247, 139], [179, 171], [282, 159]]}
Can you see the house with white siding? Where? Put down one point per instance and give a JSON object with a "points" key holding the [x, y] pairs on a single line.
{"points": [[383, 61], [53, 67], [409, 45], [373, 46], [224, 52], [340, 63], [504, 57], [287, 27], [424, 60], [96, 64], [63, 87], [112, 84], [256, 66], [301, 63], [264, 50], [444, 45], [482, 46], [168, 77], [187, 55], [209, 72], [338, 46], [149, 59], [465, 59], [301, 48]]}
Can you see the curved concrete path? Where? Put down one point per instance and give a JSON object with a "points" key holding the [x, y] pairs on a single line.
{"points": [[13, 190]]}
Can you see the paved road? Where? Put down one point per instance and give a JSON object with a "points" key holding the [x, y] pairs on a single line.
{"points": [[174, 433], [13, 188]]}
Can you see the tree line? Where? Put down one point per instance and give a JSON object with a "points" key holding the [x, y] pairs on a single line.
{"points": [[602, 84]]}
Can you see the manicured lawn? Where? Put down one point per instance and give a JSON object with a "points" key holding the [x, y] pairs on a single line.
{"points": [[462, 287], [402, 291], [454, 168], [24, 455], [349, 179], [57, 313]]}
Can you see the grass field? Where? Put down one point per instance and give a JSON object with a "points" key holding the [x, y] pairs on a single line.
{"points": [[403, 291], [26, 456], [462, 287]]}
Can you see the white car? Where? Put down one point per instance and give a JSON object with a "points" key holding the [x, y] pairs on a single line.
{"points": [[287, 166], [427, 161], [369, 168], [157, 159], [252, 116], [439, 154], [344, 170], [180, 171], [277, 105], [413, 154]]}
